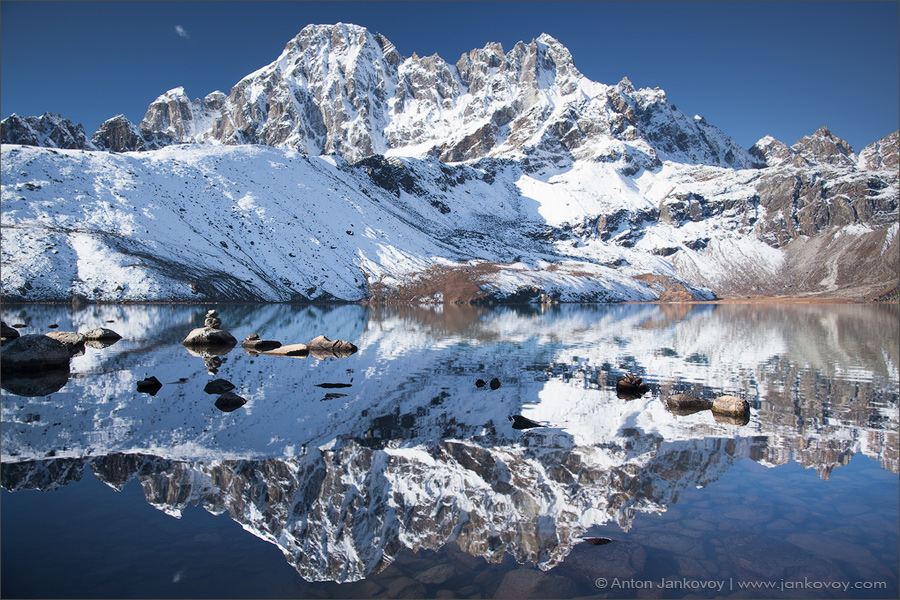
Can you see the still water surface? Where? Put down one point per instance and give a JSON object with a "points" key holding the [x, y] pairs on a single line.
{"points": [[389, 473]]}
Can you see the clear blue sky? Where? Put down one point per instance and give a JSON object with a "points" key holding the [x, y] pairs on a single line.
{"points": [[751, 68]]}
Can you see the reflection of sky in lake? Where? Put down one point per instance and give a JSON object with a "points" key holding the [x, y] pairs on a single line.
{"points": [[408, 453]]}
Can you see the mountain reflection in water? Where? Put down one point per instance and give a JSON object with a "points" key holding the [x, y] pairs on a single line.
{"points": [[345, 462]]}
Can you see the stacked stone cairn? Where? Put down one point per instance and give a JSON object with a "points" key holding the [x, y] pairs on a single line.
{"points": [[212, 320], [211, 334]]}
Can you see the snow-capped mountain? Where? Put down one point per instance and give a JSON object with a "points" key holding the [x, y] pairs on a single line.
{"points": [[339, 89], [384, 175]]}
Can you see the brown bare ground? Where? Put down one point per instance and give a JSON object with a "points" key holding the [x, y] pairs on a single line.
{"points": [[458, 284], [669, 289]]}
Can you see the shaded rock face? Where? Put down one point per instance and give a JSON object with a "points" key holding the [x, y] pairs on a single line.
{"points": [[49, 130], [801, 203], [883, 154], [119, 135]]}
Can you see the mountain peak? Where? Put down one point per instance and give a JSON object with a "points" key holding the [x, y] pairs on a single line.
{"points": [[823, 147]]}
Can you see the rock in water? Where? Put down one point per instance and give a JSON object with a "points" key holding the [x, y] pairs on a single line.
{"points": [[631, 386], [34, 353], [149, 385], [210, 335], [7, 333], [229, 401], [207, 336], [74, 342], [322, 347], [731, 406], [254, 343], [102, 334], [298, 350], [685, 404], [597, 541], [218, 386]]}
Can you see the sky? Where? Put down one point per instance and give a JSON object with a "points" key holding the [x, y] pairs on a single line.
{"points": [[752, 69]]}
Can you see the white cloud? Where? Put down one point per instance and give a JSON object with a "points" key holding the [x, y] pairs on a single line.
{"points": [[181, 32]]}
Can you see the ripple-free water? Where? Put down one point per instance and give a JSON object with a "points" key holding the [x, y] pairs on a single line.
{"points": [[401, 478]]}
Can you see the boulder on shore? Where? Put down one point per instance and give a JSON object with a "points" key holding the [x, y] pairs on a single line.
{"points": [[34, 353]]}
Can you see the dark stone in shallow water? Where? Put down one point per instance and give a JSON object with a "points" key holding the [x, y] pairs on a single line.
{"points": [[229, 401], [218, 386], [149, 385], [34, 353]]}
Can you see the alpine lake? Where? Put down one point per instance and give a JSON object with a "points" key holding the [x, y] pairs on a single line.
{"points": [[390, 473]]}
